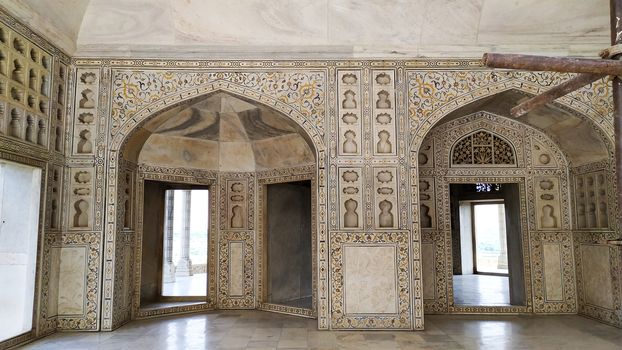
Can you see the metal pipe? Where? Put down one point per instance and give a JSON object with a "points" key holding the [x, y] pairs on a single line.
{"points": [[554, 93], [555, 64]]}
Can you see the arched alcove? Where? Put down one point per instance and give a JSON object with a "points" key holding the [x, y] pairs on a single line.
{"points": [[237, 148]]}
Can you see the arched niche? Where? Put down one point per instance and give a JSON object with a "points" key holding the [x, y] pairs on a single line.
{"points": [[275, 146], [541, 173]]}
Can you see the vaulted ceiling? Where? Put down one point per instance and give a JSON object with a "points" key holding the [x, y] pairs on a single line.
{"points": [[317, 28]]}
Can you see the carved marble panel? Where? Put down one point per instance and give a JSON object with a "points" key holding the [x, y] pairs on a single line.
{"points": [[85, 111], [351, 206], [384, 122], [548, 203], [427, 200], [591, 201], [236, 270], [81, 199], [349, 110], [386, 209]]}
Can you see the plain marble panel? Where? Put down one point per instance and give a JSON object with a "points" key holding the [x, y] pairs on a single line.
{"points": [[252, 22], [551, 22], [374, 23], [117, 22], [554, 289], [53, 282], [236, 268], [428, 270], [451, 22], [370, 279], [596, 275], [71, 286]]}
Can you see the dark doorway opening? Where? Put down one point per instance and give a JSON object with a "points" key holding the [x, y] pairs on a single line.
{"points": [[487, 244], [289, 277]]}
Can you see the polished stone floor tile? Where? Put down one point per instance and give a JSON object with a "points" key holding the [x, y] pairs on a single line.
{"points": [[262, 330]]}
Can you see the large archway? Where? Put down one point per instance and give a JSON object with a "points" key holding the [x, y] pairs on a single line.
{"points": [[281, 149], [565, 125]]}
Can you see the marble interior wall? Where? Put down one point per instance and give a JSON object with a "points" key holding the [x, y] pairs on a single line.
{"points": [[365, 120], [598, 267]]}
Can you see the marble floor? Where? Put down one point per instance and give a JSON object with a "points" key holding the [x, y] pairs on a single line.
{"points": [[483, 290], [194, 285], [263, 330]]}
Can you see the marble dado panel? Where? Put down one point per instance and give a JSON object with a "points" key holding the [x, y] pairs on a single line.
{"points": [[598, 271], [80, 259], [370, 280], [236, 261], [303, 90]]}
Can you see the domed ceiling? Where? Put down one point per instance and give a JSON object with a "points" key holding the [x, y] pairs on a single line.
{"points": [[318, 28], [223, 132]]}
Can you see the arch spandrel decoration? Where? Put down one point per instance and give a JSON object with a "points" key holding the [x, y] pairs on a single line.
{"points": [[434, 94], [137, 94], [482, 148]]}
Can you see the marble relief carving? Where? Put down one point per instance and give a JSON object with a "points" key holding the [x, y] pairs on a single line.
{"points": [[84, 127], [351, 198], [591, 201], [81, 199], [385, 198], [350, 111], [383, 113], [25, 77]]}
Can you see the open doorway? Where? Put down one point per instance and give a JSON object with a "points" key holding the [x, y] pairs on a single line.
{"points": [[174, 268], [486, 245], [20, 195], [288, 243]]}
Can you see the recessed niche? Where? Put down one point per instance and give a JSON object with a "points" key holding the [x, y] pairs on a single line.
{"points": [[85, 145], [349, 79], [349, 145], [15, 125], [19, 46], [384, 176], [383, 101], [3, 35], [33, 55], [59, 96], [3, 63], [350, 176], [349, 118], [32, 79], [351, 217], [383, 118], [87, 100], [81, 217], [41, 134], [44, 86], [32, 101], [383, 79], [58, 141], [43, 107], [30, 129], [18, 72], [86, 118], [383, 145], [45, 62], [349, 102], [385, 218], [17, 94], [88, 78]]}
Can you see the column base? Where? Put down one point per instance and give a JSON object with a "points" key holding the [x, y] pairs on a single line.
{"points": [[168, 275], [184, 268]]}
